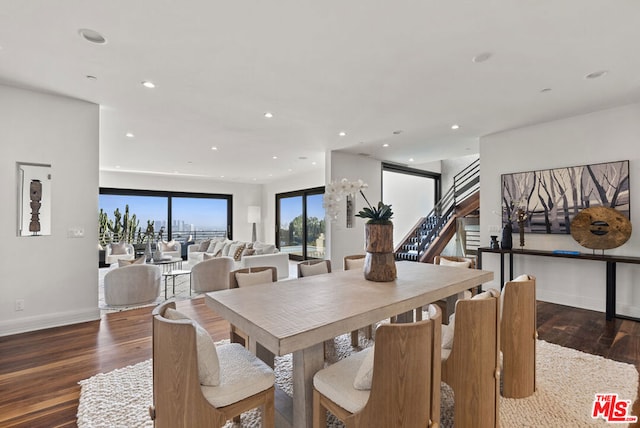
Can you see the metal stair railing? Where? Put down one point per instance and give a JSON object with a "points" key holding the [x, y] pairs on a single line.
{"points": [[465, 184]]}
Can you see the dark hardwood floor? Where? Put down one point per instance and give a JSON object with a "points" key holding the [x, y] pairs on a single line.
{"points": [[40, 371]]}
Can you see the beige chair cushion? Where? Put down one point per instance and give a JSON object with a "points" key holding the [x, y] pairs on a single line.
{"points": [[447, 262], [354, 263], [118, 248], [138, 261], [242, 375], [168, 246], [336, 382], [208, 362], [364, 375], [262, 248], [314, 269], [254, 278], [204, 245]]}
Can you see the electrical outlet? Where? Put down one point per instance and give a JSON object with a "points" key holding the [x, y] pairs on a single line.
{"points": [[19, 304]]}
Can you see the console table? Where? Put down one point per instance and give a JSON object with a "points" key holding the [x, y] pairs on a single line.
{"points": [[609, 260]]}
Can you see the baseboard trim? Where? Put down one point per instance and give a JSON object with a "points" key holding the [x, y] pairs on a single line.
{"points": [[40, 322]]}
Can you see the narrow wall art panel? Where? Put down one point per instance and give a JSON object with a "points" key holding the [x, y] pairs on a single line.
{"points": [[552, 197]]}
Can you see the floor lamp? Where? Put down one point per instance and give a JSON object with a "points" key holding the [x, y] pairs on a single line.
{"points": [[253, 216]]}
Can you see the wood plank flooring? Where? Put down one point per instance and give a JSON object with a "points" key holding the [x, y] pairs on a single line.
{"points": [[40, 371]]}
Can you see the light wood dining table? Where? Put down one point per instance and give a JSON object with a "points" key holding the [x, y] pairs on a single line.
{"points": [[298, 315]]}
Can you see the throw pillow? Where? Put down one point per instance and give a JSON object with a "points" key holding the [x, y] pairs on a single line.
{"points": [[211, 247], [447, 262], [217, 248], [314, 269], [227, 247], [254, 278], [138, 261], [522, 277], [118, 248], [168, 246], [264, 248], [248, 252], [235, 251], [207, 256], [204, 245], [208, 363], [364, 375]]}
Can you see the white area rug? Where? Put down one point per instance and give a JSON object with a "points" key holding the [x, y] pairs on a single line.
{"points": [[567, 381]]}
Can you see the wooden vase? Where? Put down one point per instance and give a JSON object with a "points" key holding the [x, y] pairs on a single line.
{"points": [[379, 262]]}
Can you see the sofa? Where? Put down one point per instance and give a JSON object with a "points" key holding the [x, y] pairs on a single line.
{"points": [[262, 254]]}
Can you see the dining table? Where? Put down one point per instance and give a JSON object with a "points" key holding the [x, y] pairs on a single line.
{"points": [[296, 316]]}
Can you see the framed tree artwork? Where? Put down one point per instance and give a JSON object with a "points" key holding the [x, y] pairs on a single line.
{"points": [[551, 198]]}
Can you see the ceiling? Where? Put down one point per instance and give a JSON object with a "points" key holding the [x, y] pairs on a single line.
{"points": [[399, 73]]}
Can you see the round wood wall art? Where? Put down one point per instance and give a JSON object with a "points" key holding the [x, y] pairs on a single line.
{"points": [[600, 228]]}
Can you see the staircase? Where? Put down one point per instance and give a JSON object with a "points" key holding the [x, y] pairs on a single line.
{"points": [[432, 233]]}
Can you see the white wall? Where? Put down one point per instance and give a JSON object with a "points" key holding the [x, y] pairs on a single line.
{"points": [[244, 195], [341, 240], [55, 275], [608, 135]]}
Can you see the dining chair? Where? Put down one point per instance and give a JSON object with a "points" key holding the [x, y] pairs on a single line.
{"points": [[185, 357], [394, 384], [211, 274], [313, 267], [518, 336], [453, 261], [471, 362], [351, 262], [247, 277]]}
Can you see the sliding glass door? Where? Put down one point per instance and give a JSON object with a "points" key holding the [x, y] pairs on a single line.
{"points": [[300, 223]]}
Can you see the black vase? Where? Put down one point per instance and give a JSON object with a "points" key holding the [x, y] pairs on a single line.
{"points": [[507, 240]]}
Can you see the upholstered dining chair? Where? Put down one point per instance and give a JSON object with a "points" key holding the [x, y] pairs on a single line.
{"points": [[471, 362], [454, 261], [351, 262], [211, 275], [196, 384], [247, 277], [313, 267], [118, 251], [518, 336], [395, 384]]}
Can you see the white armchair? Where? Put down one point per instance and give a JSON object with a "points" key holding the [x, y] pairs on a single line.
{"points": [[171, 248], [211, 274], [132, 285], [118, 251]]}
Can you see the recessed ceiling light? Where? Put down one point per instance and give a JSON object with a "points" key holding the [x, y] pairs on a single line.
{"points": [[410, 159], [342, 133], [274, 157], [129, 134], [385, 145], [90, 77], [313, 163], [481, 57], [222, 176], [596, 74], [545, 90], [268, 115], [455, 126], [397, 132], [92, 36], [214, 148], [148, 84]]}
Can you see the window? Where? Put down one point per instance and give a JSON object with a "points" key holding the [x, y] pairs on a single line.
{"points": [[301, 224], [185, 217]]}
